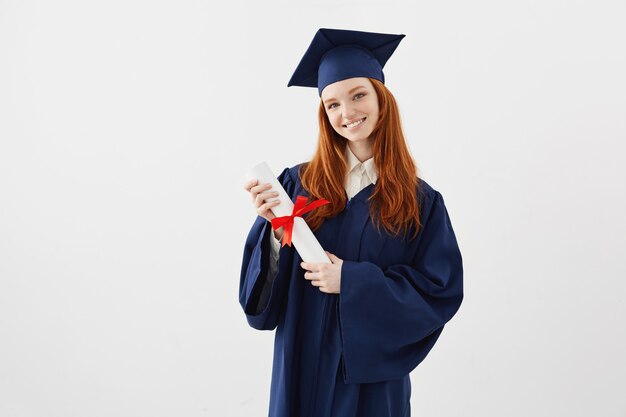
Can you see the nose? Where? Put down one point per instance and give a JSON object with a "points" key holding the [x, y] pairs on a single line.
{"points": [[348, 111]]}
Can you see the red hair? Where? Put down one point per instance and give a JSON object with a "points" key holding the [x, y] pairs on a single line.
{"points": [[394, 201]]}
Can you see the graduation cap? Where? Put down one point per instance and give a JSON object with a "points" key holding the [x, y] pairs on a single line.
{"points": [[336, 54]]}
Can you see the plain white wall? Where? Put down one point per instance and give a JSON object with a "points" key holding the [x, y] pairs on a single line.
{"points": [[126, 128]]}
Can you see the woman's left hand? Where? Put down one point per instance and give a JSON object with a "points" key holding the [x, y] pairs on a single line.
{"points": [[325, 276]]}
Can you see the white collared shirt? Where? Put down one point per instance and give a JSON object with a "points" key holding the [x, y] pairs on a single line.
{"points": [[360, 174]]}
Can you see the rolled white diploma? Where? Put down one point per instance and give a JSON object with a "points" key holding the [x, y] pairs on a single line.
{"points": [[302, 237]]}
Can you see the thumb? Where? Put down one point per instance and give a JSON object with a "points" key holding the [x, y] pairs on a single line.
{"points": [[332, 257]]}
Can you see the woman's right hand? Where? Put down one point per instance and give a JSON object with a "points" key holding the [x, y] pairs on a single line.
{"points": [[260, 193]]}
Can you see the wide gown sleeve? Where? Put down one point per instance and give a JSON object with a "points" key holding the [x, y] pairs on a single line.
{"points": [[262, 294], [390, 319]]}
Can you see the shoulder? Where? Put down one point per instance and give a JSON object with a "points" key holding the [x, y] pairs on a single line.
{"points": [[425, 191], [294, 171], [289, 178], [429, 199]]}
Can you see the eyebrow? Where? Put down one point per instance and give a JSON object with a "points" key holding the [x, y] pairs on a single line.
{"points": [[349, 92]]}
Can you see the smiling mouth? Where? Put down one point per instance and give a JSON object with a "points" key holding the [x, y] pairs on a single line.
{"points": [[356, 123]]}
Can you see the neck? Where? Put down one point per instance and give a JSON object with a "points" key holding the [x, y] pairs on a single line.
{"points": [[362, 149]]}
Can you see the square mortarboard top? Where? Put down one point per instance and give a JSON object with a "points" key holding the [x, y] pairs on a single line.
{"points": [[337, 54]]}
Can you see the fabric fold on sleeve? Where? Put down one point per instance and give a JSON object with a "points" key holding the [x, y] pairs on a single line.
{"points": [[390, 319], [271, 274], [274, 256]]}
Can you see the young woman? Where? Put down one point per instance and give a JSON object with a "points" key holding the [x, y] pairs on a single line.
{"points": [[349, 333]]}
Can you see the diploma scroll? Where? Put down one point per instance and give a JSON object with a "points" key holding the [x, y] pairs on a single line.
{"points": [[303, 239]]}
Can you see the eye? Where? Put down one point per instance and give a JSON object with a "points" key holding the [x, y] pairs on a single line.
{"points": [[359, 94], [331, 106]]}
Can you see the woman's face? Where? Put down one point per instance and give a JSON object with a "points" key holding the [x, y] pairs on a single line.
{"points": [[352, 108]]}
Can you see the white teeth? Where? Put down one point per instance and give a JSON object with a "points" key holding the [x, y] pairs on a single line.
{"points": [[355, 123]]}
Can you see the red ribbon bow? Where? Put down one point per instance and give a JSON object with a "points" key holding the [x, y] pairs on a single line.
{"points": [[299, 209]]}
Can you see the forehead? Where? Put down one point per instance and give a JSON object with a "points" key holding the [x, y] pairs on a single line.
{"points": [[344, 86]]}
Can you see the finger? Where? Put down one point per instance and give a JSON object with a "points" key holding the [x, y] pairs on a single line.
{"points": [[312, 266], [261, 197], [261, 187], [248, 185], [254, 191], [265, 207], [308, 275], [258, 200]]}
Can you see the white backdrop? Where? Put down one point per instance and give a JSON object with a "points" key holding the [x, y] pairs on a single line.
{"points": [[125, 131]]}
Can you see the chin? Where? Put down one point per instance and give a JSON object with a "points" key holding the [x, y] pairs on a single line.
{"points": [[356, 138]]}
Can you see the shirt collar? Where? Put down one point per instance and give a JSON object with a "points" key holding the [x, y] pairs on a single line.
{"points": [[370, 166]]}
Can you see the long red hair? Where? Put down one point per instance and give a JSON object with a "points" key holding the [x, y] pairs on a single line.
{"points": [[394, 202]]}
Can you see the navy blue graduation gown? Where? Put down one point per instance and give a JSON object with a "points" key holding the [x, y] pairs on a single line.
{"points": [[350, 354]]}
